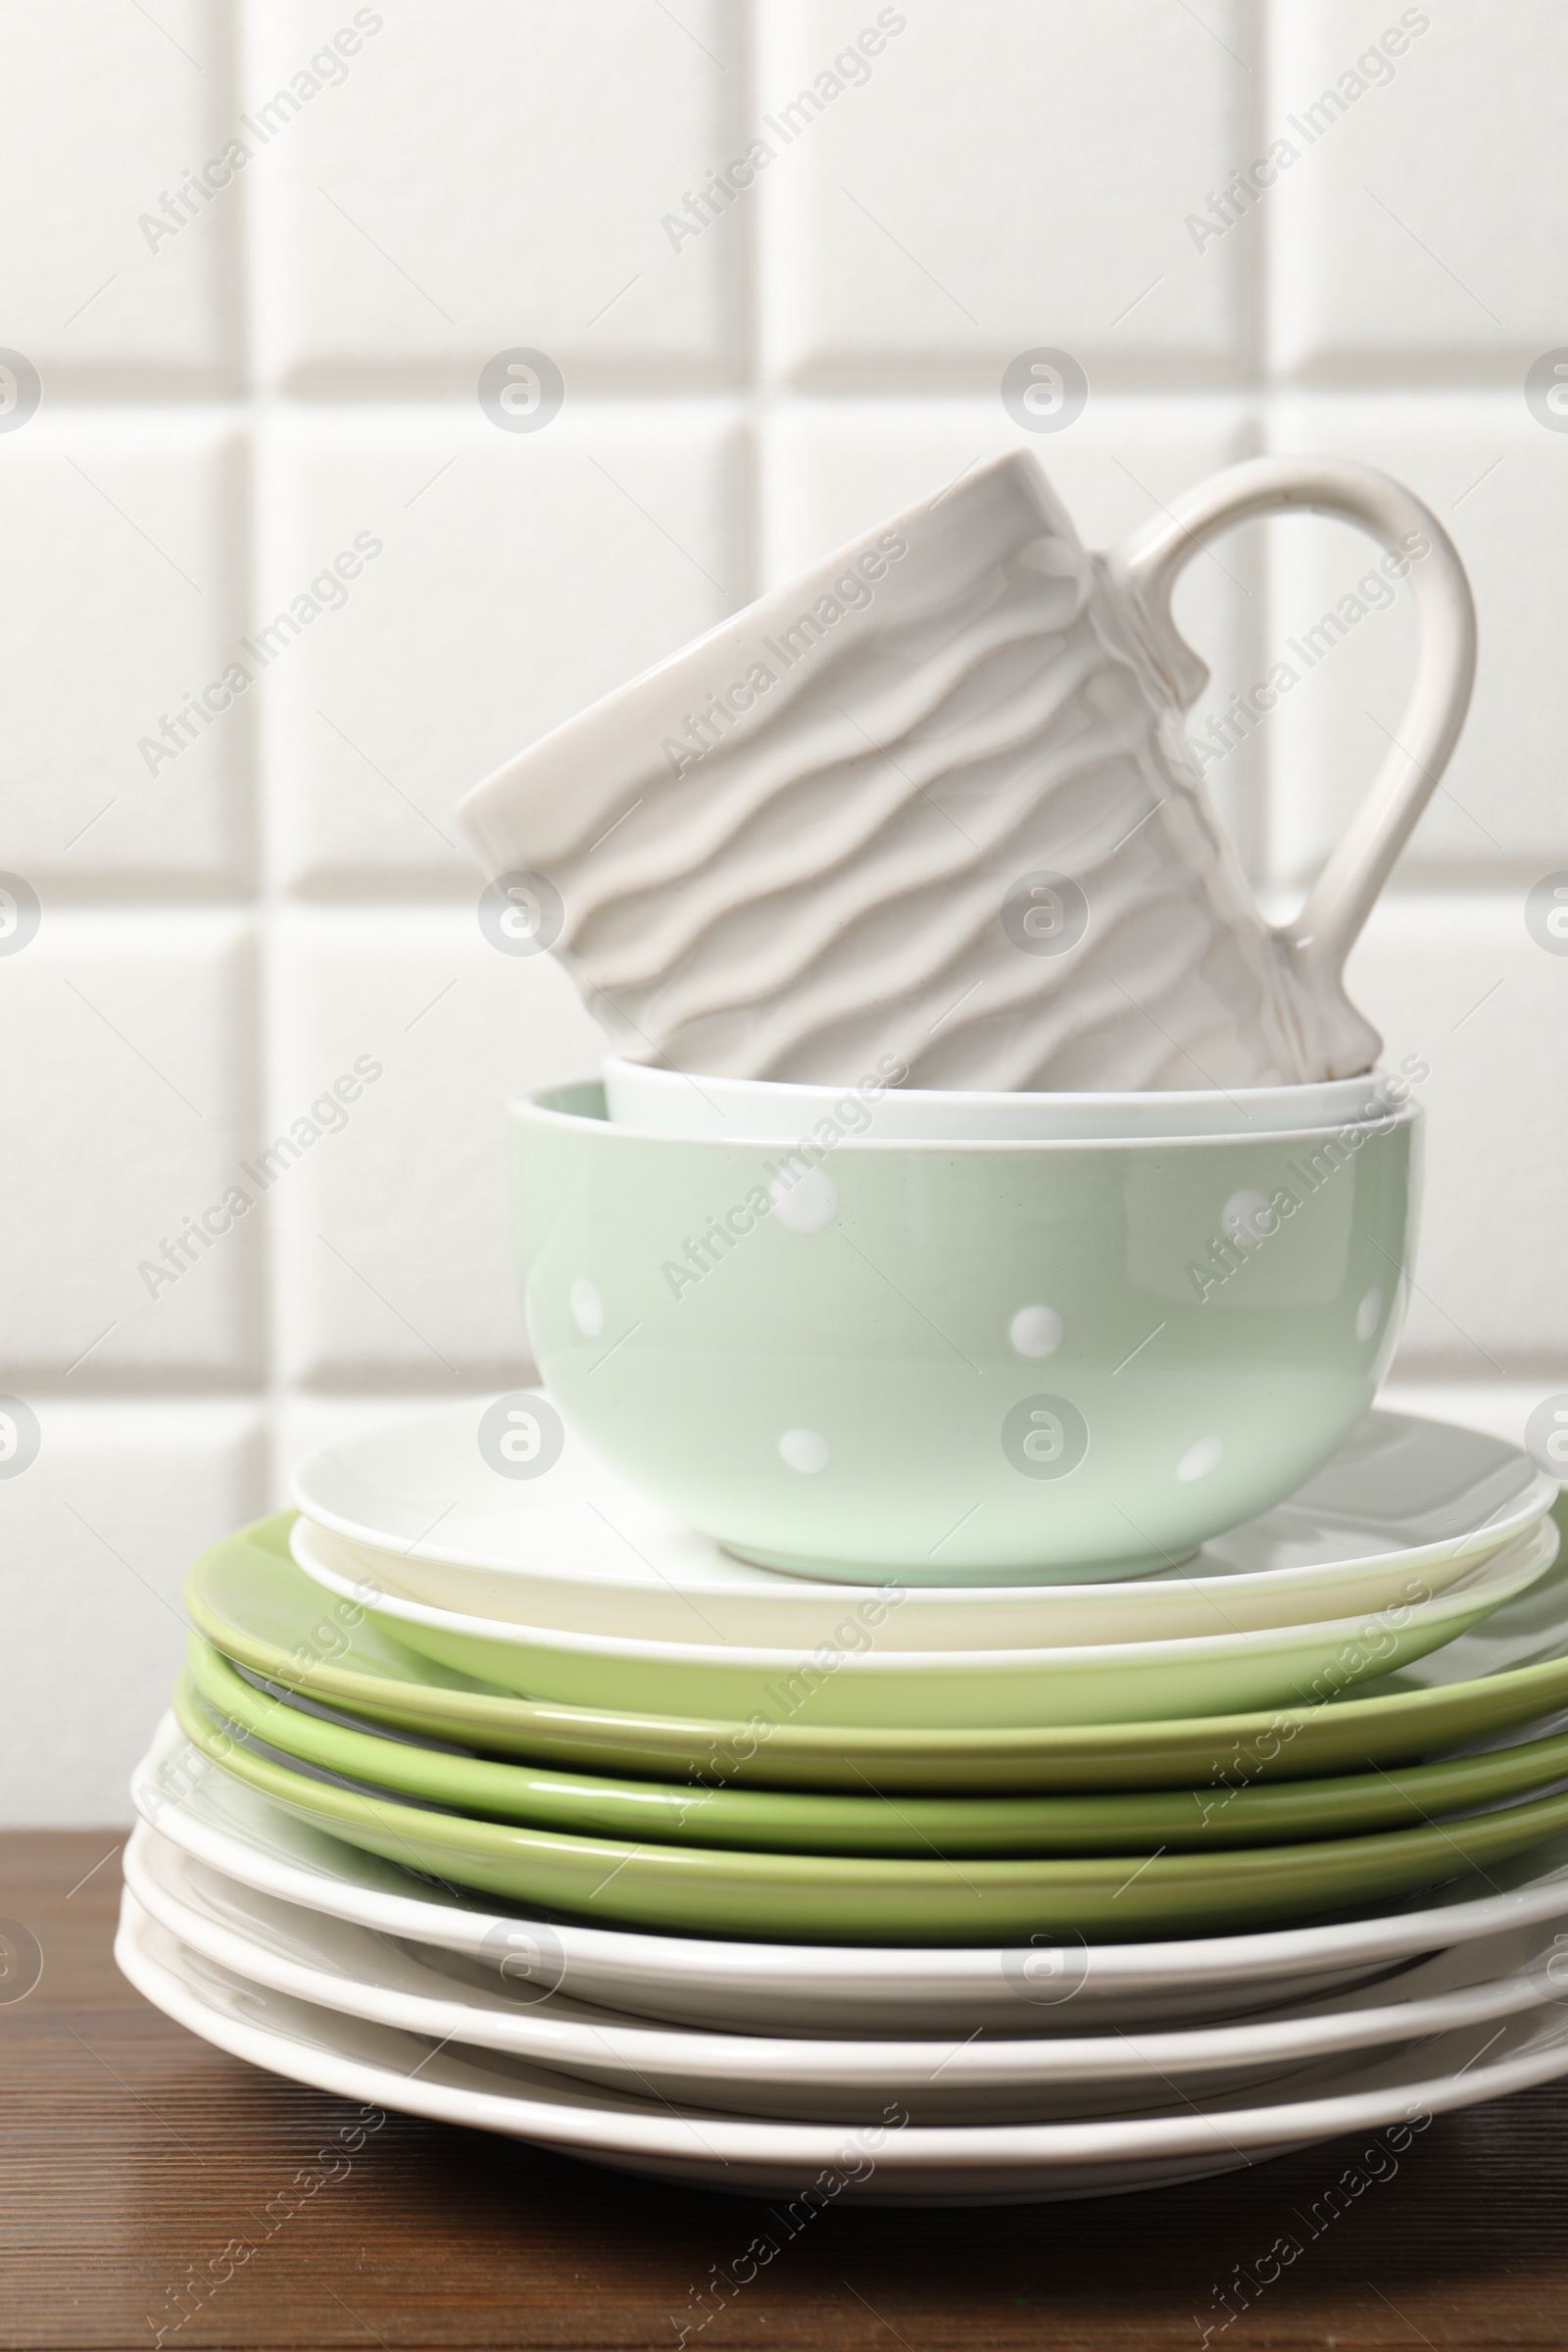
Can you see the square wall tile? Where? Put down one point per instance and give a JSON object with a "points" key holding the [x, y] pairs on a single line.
{"points": [[952, 188], [129, 752], [120, 271], [834, 469], [515, 578], [1467, 987], [1498, 483], [466, 183], [128, 1246], [400, 1036], [1384, 254], [96, 1535]]}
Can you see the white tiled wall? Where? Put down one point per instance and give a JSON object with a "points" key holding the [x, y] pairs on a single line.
{"points": [[231, 403]]}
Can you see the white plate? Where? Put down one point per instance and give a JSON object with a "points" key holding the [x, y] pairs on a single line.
{"points": [[766, 1109], [891, 2162], [828, 1988], [415, 1507], [1067, 2073], [854, 1682]]}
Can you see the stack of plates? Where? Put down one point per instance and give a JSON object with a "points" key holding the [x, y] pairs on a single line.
{"points": [[516, 1804]]}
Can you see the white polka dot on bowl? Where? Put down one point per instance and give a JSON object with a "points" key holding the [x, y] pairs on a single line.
{"points": [[1199, 1459], [804, 1449], [587, 1308], [804, 1203], [1036, 1331], [1247, 1218]]}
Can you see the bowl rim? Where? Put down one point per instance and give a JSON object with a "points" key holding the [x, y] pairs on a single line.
{"points": [[532, 1107]]}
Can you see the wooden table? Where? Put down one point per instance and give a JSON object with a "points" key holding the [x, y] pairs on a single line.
{"points": [[145, 2184]]}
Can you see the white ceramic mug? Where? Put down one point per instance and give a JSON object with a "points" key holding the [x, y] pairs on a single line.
{"points": [[932, 800]]}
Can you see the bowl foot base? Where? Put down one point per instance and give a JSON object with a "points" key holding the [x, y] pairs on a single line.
{"points": [[893, 1575]]}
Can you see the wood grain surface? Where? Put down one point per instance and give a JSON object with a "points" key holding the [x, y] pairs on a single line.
{"points": [[149, 2184]]}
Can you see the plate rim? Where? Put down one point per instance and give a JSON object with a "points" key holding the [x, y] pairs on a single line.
{"points": [[1085, 1657], [1237, 1953], [743, 1874], [211, 1672], [1426, 1717], [1148, 2048], [908, 2150]]}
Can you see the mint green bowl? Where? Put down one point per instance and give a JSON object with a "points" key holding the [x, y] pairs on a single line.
{"points": [[944, 1363]]}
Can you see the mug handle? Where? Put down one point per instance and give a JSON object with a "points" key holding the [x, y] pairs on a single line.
{"points": [[1316, 942]]}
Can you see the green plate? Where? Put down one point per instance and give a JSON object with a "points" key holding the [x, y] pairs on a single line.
{"points": [[792, 1822], [843, 1898], [250, 1600]]}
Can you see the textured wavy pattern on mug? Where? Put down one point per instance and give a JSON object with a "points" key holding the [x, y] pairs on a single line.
{"points": [[814, 865]]}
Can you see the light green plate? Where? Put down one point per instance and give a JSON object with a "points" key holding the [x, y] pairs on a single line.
{"points": [[842, 1898], [792, 1822], [247, 1596]]}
